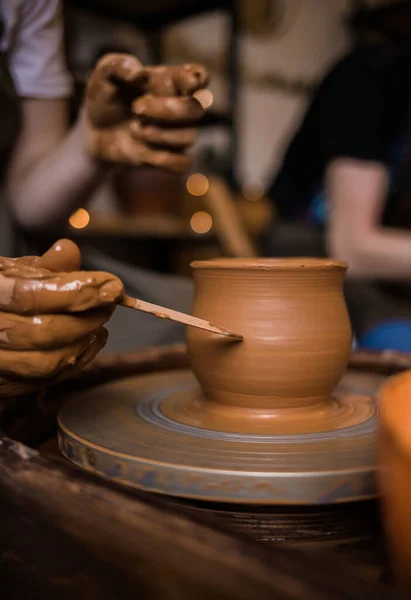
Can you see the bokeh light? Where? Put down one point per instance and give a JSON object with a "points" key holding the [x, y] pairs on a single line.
{"points": [[197, 184], [79, 219], [205, 97], [201, 222], [253, 191]]}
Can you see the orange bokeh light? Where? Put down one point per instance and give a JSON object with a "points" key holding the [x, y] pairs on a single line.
{"points": [[79, 219], [197, 184], [201, 222]]}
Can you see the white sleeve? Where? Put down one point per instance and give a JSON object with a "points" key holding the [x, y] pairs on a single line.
{"points": [[36, 54]]}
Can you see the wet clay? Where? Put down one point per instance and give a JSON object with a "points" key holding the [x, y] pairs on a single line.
{"points": [[125, 424], [297, 341], [143, 115], [63, 256], [52, 315], [175, 80], [193, 408], [12, 386], [46, 363], [26, 287], [46, 332], [395, 471]]}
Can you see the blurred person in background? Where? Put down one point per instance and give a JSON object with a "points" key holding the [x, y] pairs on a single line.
{"points": [[344, 188], [49, 169]]}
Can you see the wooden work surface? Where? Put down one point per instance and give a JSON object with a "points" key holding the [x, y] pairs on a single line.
{"points": [[67, 534], [351, 533]]}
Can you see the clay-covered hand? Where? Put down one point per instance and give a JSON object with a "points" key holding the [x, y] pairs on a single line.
{"points": [[143, 115], [51, 317]]}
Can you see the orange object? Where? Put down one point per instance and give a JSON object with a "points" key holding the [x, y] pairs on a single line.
{"points": [[395, 472]]}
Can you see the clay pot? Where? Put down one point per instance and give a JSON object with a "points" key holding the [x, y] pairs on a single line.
{"points": [[297, 341], [395, 472]]}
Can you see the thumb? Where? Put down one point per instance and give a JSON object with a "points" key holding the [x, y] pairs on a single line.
{"points": [[190, 78], [63, 257]]}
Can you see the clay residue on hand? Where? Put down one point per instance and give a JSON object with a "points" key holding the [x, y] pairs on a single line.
{"points": [[63, 256], [52, 315], [143, 115], [179, 80], [45, 332], [33, 287]]}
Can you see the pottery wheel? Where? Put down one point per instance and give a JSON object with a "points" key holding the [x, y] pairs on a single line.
{"points": [[134, 431]]}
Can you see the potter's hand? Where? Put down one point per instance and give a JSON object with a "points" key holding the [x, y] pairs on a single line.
{"points": [[51, 317], [143, 115]]}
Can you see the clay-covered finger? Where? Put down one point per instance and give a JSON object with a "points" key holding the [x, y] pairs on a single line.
{"points": [[27, 261], [169, 161], [173, 111], [47, 332], [190, 78], [121, 67], [43, 292], [162, 137], [107, 100], [96, 344], [64, 256], [124, 149], [103, 105], [43, 364], [12, 385], [176, 80]]}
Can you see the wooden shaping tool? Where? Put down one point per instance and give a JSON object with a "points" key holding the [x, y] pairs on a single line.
{"points": [[167, 313]]}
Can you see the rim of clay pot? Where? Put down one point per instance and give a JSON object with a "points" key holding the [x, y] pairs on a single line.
{"points": [[396, 391], [269, 264]]}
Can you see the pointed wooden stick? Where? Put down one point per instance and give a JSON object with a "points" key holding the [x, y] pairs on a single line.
{"points": [[167, 313]]}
